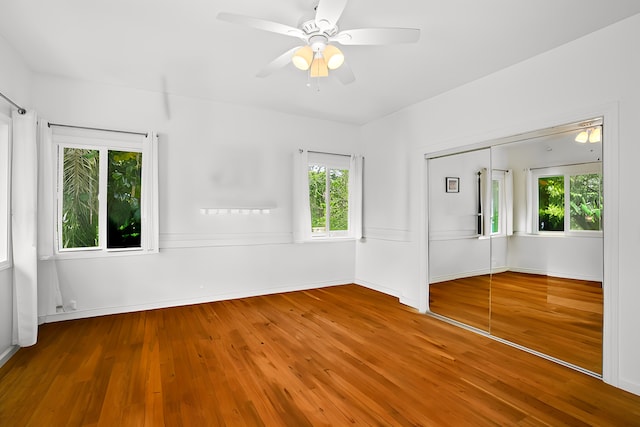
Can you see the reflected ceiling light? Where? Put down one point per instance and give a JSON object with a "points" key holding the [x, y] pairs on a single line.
{"points": [[591, 135], [302, 58]]}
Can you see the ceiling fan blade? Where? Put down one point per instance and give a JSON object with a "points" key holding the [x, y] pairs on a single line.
{"points": [[328, 12], [262, 24], [377, 36], [278, 63], [344, 74]]}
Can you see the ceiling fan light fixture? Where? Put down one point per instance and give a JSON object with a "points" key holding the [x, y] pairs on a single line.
{"points": [[333, 57], [302, 58], [319, 67]]}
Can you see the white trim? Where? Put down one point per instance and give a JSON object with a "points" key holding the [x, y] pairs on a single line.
{"points": [[388, 234], [199, 240], [7, 354], [105, 311], [554, 274]]}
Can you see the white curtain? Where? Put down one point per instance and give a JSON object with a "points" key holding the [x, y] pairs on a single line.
{"points": [[24, 224], [485, 202], [47, 179], [508, 201], [529, 200], [301, 206], [151, 231], [356, 184]]}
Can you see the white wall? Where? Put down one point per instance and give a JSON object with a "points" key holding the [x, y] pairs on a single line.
{"points": [[553, 88], [211, 155], [15, 80]]}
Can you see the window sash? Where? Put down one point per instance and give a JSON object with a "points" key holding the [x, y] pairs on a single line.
{"points": [[108, 141], [566, 172], [328, 163]]}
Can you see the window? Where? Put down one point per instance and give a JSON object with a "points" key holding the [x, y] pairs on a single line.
{"points": [[329, 195], [5, 179], [569, 198], [105, 201], [498, 207]]}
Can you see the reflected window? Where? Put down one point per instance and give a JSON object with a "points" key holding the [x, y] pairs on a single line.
{"points": [[569, 198]]}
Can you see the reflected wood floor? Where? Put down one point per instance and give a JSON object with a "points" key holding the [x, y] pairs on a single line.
{"points": [[335, 356], [465, 300], [555, 316]]}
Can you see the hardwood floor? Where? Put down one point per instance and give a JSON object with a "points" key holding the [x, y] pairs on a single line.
{"points": [[336, 356], [555, 316]]}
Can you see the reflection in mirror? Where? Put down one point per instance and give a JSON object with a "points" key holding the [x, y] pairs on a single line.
{"points": [[547, 296], [459, 247], [515, 241]]}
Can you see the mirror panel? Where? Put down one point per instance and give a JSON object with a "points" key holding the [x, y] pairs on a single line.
{"points": [[547, 296], [515, 241], [459, 249]]}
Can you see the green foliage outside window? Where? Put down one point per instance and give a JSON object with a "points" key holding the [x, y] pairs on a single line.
{"points": [[586, 202], [80, 205], [80, 198], [123, 199], [551, 203], [338, 199], [495, 206]]}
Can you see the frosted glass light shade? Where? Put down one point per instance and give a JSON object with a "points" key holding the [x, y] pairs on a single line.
{"points": [[302, 58], [333, 57], [319, 67], [582, 137], [595, 135]]}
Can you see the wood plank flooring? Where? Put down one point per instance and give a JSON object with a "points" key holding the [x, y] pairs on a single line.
{"points": [[556, 316], [337, 356]]}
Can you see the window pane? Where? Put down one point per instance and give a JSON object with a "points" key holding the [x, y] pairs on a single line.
{"points": [[495, 206], [124, 187], [317, 198], [339, 200], [586, 201], [80, 198], [551, 203]]}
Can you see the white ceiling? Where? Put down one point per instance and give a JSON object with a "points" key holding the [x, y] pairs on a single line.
{"points": [[179, 47]]}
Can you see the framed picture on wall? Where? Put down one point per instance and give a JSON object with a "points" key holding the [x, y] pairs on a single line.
{"points": [[452, 185]]}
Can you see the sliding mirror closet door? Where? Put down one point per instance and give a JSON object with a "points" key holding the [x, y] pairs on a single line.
{"points": [[459, 244], [547, 243]]}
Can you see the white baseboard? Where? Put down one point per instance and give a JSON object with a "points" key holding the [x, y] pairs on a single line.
{"points": [[555, 274], [629, 386], [388, 291], [7, 354], [105, 311]]}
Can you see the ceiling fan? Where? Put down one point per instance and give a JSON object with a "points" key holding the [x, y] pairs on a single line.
{"points": [[319, 54]]}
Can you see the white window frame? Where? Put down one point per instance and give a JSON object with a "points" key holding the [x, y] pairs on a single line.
{"points": [[502, 207], [332, 161], [566, 172], [5, 191], [105, 141]]}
